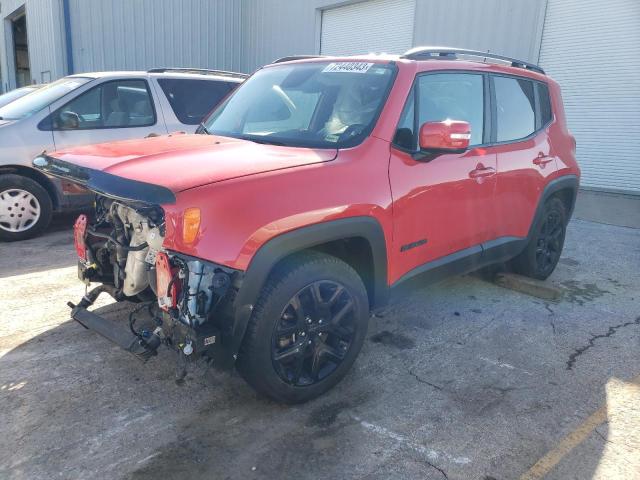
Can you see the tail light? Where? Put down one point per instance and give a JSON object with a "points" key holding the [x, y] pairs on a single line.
{"points": [[167, 288], [79, 236]]}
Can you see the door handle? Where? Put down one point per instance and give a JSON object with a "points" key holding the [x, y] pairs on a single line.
{"points": [[542, 159], [152, 134], [482, 172]]}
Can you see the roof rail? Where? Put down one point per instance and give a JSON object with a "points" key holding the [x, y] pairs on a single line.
{"points": [[447, 53], [201, 71], [290, 58]]}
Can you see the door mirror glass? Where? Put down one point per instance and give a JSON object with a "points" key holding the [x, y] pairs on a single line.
{"points": [[68, 120], [446, 136]]}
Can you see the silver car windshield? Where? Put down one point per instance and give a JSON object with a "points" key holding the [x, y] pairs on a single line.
{"points": [[41, 98], [315, 104]]}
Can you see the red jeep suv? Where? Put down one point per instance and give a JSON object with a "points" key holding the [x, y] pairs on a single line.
{"points": [[266, 239]]}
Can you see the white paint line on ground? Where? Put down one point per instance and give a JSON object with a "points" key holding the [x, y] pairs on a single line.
{"points": [[431, 454], [504, 365]]}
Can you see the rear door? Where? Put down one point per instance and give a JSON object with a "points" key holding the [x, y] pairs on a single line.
{"points": [[522, 113], [189, 100], [112, 110]]}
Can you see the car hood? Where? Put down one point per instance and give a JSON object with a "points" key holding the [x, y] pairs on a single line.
{"points": [[179, 162]]}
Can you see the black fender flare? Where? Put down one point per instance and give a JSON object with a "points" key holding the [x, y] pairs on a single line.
{"points": [[565, 182], [303, 238]]}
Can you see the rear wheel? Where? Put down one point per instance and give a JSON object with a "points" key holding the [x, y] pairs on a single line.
{"points": [[306, 329], [25, 208], [540, 257]]}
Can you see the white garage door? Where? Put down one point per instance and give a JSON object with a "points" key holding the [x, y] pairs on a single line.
{"points": [[372, 26], [591, 48]]}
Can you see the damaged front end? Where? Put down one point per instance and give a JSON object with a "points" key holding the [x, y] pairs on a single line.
{"points": [[185, 303]]}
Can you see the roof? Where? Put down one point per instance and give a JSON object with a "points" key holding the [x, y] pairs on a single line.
{"points": [[168, 72], [439, 57]]}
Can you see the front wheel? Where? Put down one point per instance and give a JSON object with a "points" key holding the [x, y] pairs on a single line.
{"points": [[540, 257], [306, 329], [25, 208]]}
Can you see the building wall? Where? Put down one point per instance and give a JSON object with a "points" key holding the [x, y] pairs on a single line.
{"points": [[241, 34], [142, 34], [45, 32], [275, 28]]}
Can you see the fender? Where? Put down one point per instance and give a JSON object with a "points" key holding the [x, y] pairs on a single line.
{"points": [[565, 182], [303, 238]]}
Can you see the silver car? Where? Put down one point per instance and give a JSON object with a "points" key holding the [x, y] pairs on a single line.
{"points": [[85, 109]]}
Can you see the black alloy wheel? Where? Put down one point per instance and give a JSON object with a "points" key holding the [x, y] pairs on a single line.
{"points": [[549, 243], [314, 333], [306, 328], [540, 256]]}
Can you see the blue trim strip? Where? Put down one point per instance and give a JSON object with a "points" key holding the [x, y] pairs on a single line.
{"points": [[68, 39]]}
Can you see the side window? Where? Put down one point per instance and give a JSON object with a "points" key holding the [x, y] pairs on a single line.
{"points": [[115, 104], [515, 108], [191, 100], [405, 135], [545, 104], [452, 96]]}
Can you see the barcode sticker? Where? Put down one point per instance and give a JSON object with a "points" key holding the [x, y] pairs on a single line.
{"points": [[348, 67]]}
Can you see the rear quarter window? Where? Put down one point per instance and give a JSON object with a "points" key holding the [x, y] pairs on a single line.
{"points": [[191, 100], [546, 114], [515, 108]]}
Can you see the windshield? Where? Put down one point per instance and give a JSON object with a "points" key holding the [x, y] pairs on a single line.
{"points": [[41, 98], [317, 105], [14, 94]]}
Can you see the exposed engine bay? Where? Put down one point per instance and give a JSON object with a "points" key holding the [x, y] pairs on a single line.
{"points": [[186, 300]]}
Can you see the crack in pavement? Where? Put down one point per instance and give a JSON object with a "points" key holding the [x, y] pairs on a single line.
{"points": [[551, 315], [437, 468], [591, 342], [422, 380]]}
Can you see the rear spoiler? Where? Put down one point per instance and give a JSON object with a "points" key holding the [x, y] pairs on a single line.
{"points": [[113, 186]]}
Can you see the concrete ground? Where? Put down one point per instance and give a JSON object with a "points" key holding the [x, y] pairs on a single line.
{"points": [[610, 208], [462, 380]]}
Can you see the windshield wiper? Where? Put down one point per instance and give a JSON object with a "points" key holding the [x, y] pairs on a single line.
{"points": [[202, 129], [265, 141]]}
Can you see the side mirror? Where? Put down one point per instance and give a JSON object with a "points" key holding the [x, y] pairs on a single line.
{"points": [[68, 120], [449, 136]]}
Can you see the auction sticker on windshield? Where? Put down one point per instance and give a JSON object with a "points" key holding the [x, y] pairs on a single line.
{"points": [[348, 67]]}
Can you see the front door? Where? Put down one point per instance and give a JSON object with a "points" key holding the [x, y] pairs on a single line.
{"points": [[113, 110], [443, 204]]}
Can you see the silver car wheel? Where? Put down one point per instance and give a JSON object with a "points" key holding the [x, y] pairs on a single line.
{"points": [[19, 210]]}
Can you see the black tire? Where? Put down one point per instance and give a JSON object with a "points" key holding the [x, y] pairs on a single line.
{"points": [[540, 257], [40, 199], [265, 361]]}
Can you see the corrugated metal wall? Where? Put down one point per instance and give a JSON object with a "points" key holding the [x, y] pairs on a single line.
{"points": [[141, 34], [507, 27], [374, 26], [275, 28], [243, 34], [592, 50], [45, 32]]}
